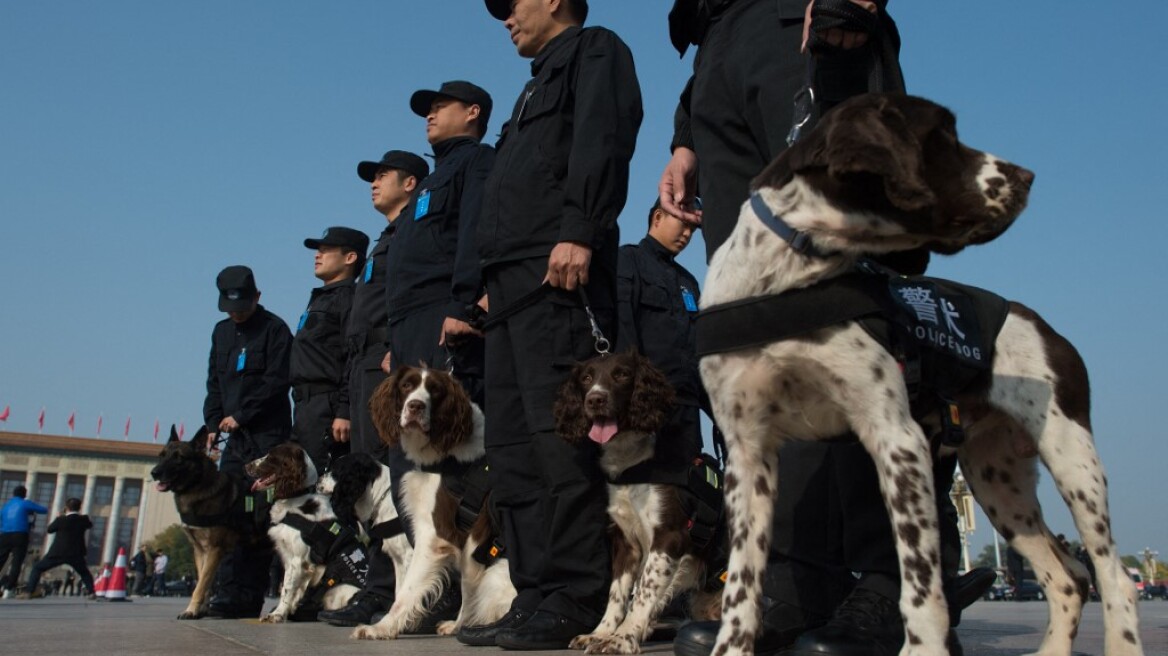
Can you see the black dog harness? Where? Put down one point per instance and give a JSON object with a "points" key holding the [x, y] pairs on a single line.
{"points": [[334, 545], [248, 512], [469, 483], [699, 487], [941, 332]]}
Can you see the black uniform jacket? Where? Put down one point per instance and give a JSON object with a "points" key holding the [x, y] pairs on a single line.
{"points": [[368, 325], [657, 303], [562, 169], [247, 377], [433, 258], [319, 350], [70, 531]]}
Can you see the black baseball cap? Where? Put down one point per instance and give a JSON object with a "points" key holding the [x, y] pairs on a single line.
{"points": [[341, 236], [394, 159], [237, 289], [501, 9], [468, 93]]}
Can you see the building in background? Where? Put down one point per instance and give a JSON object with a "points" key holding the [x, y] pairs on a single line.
{"points": [[111, 478]]}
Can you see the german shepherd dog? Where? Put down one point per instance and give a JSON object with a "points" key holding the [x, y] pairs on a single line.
{"points": [[206, 500]]}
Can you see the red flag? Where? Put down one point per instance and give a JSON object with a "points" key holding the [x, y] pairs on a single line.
{"points": [[72, 421], [127, 427], [41, 421], [99, 425], [182, 429], [155, 429], [4, 415]]}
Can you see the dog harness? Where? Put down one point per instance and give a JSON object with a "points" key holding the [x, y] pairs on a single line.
{"points": [[334, 545], [699, 487], [248, 510], [469, 483]]}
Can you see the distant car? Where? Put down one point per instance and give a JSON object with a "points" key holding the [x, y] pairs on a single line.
{"points": [[999, 592], [1028, 590], [1155, 592], [178, 588]]}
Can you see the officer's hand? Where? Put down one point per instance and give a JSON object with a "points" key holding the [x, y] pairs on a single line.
{"points": [[454, 330], [211, 437], [678, 185], [484, 303], [568, 265], [341, 429], [229, 425], [385, 362], [837, 37]]}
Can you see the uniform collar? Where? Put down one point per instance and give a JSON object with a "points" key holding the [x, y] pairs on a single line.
{"points": [[332, 285], [554, 46], [655, 247], [447, 146]]}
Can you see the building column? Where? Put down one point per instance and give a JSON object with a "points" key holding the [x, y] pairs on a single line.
{"points": [[59, 494], [141, 515], [87, 498], [111, 525]]}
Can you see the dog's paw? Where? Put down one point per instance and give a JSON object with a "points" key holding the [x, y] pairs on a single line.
{"points": [[447, 628], [372, 632], [615, 644], [190, 615], [273, 618], [582, 641]]}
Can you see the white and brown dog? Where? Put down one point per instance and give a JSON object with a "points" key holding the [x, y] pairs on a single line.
{"points": [[885, 173], [621, 402], [288, 471], [427, 412]]}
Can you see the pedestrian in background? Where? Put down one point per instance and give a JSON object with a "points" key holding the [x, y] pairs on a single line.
{"points": [[14, 527]]}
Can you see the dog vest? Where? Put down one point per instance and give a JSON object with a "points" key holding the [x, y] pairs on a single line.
{"points": [[247, 512], [942, 332], [700, 489], [469, 483], [334, 545]]}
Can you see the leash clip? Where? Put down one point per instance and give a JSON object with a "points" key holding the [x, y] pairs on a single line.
{"points": [[602, 344]]}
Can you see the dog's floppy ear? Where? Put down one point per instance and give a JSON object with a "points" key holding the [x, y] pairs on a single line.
{"points": [[872, 136], [571, 423], [652, 397], [452, 420], [385, 408]]}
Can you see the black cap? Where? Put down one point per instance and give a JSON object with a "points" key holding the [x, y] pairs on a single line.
{"points": [[341, 236], [237, 289], [394, 159], [468, 93], [501, 9]]}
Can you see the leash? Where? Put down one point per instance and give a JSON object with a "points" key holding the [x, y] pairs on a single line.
{"points": [[602, 344], [486, 321]]}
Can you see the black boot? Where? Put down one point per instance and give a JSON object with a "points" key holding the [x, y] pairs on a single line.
{"points": [[543, 631], [781, 624], [359, 611], [962, 591], [484, 636], [444, 609]]}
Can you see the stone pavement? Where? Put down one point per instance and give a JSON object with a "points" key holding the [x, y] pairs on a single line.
{"points": [[70, 626]]}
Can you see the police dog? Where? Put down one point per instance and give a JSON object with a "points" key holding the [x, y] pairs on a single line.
{"points": [[289, 473], [206, 500], [885, 173]]}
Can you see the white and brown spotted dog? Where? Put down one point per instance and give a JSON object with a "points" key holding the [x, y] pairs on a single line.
{"points": [[289, 471], [620, 402], [427, 412], [886, 173], [359, 484]]}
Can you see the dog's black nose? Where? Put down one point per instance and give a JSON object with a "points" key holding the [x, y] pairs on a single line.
{"points": [[596, 400], [415, 406]]}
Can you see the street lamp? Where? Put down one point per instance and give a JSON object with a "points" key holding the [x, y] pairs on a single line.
{"points": [[1150, 563], [963, 501]]}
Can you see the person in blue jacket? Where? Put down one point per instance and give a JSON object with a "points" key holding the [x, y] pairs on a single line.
{"points": [[14, 525]]}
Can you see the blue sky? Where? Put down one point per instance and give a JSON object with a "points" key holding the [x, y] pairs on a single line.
{"points": [[146, 145]]}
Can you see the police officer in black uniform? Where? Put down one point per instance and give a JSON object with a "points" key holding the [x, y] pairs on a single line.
{"points": [[549, 214], [657, 302], [320, 395], [247, 398], [433, 259], [392, 180]]}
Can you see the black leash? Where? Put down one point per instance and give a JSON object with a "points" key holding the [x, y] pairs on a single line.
{"points": [[486, 321]]}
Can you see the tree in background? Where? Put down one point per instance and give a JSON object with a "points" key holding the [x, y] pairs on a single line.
{"points": [[173, 541]]}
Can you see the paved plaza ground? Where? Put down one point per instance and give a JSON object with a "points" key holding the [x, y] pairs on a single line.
{"points": [[66, 626]]}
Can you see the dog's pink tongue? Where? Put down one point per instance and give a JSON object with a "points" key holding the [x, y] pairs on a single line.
{"points": [[602, 430]]}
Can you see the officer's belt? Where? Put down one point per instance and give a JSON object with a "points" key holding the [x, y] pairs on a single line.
{"points": [[307, 390]]}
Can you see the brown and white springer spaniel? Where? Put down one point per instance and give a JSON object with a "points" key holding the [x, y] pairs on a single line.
{"points": [[620, 402], [885, 173], [427, 412], [289, 471]]}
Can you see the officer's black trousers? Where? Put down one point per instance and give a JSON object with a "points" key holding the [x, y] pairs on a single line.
{"points": [[312, 420], [550, 495]]}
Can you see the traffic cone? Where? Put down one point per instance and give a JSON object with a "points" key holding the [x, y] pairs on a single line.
{"points": [[115, 589], [100, 583]]}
